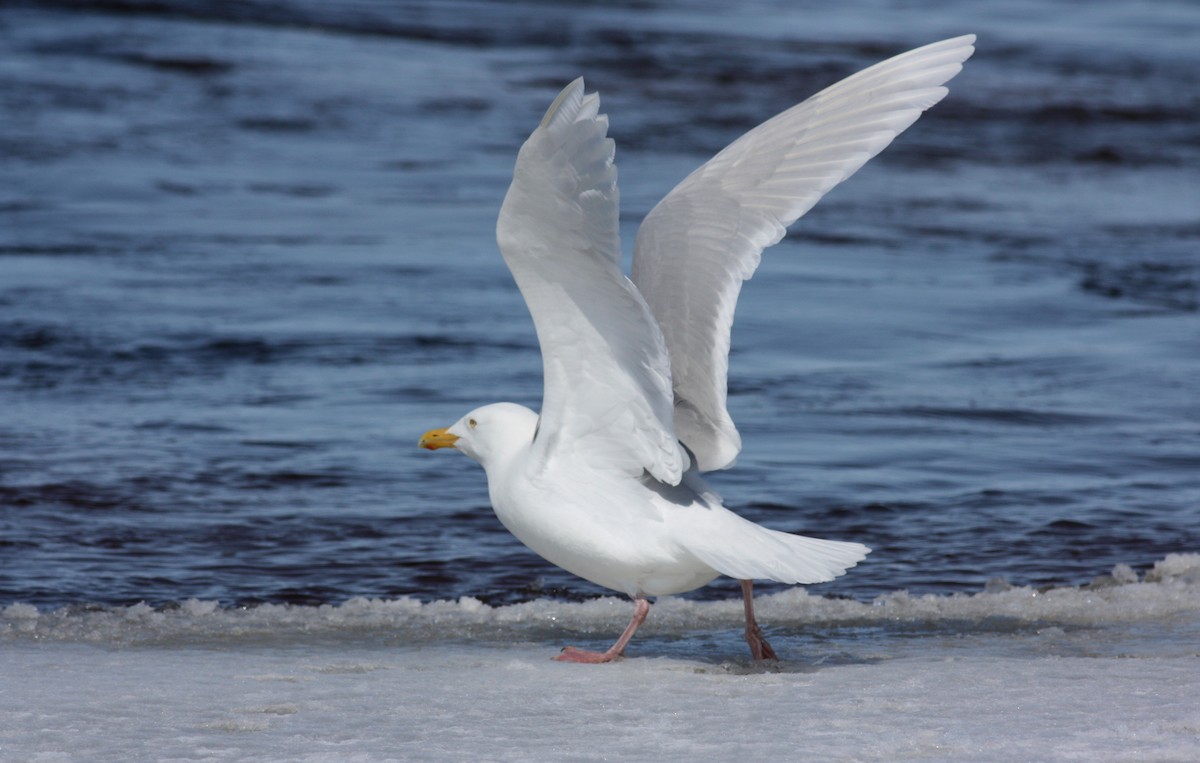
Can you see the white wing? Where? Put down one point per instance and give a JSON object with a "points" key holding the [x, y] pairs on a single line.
{"points": [[607, 376], [699, 243]]}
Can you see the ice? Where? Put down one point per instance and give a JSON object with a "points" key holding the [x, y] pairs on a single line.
{"points": [[83, 702], [1100, 672], [1171, 588]]}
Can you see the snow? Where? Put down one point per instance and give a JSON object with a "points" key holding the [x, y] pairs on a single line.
{"points": [[82, 702], [1101, 672]]}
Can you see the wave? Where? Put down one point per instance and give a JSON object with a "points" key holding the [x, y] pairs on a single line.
{"points": [[42, 356], [1171, 590]]}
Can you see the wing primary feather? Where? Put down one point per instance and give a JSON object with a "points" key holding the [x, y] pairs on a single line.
{"points": [[571, 94], [607, 395], [697, 246]]}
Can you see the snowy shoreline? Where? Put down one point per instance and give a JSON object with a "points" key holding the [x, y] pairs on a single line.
{"points": [[82, 702], [1099, 672], [1171, 588]]}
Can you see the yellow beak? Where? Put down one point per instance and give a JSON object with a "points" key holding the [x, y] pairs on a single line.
{"points": [[437, 438]]}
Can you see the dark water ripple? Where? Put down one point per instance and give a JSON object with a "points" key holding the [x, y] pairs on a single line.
{"points": [[247, 256]]}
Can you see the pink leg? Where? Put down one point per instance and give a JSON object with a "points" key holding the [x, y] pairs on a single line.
{"points": [[759, 648], [571, 654]]}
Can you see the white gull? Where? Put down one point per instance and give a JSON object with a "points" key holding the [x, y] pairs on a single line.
{"points": [[606, 483]]}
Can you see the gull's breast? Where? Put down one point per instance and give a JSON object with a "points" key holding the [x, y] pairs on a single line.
{"points": [[605, 528]]}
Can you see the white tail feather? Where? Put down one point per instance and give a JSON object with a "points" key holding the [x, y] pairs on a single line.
{"points": [[757, 553]]}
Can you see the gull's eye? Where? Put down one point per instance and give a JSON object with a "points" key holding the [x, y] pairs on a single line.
{"points": [[472, 423]]}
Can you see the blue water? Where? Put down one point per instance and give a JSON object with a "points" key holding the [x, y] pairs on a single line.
{"points": [[247, 256]]}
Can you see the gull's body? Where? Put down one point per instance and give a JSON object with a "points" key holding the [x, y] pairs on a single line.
{"points": [[606, 482]]}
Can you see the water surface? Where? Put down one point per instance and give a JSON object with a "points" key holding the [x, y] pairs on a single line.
{"points": [[247, 256]]}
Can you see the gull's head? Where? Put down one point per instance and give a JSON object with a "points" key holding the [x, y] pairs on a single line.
{"points": [[492, 434]]}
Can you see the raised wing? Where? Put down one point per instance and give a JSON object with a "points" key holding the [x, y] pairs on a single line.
{"points": [[699, 243], [607, 376]]}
